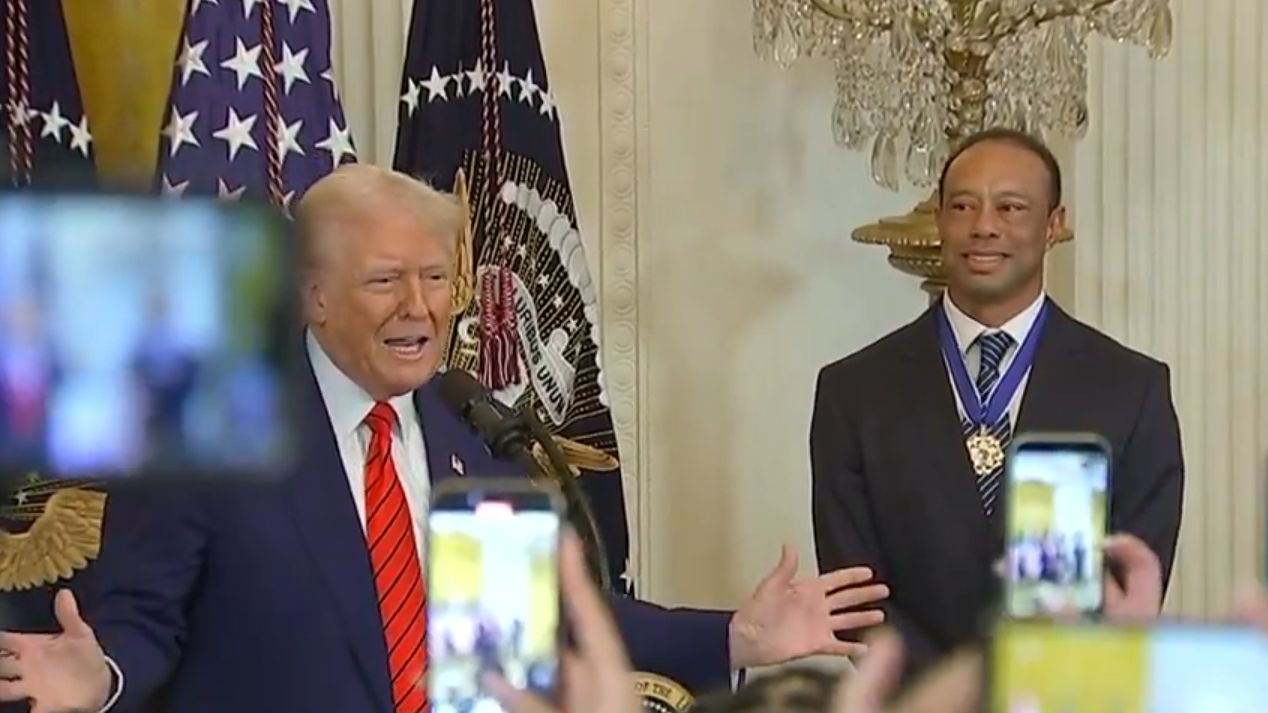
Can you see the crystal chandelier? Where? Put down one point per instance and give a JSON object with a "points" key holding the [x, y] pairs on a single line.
{"points": [[915, 76]]}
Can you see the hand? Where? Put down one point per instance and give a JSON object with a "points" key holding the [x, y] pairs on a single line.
{"points": [[1139, 597], [954, 686], [58, 673], [787, 619], [1251, 607], [596, 677]]}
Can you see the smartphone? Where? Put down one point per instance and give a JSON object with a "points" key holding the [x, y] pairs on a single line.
{"points": [[141, 336], [1041, 666], [1056, 517], [493, 601]]}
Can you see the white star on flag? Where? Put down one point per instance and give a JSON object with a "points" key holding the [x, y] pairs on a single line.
{"points": [[476, 76], [548, 105], [505, 80], [237, 133], [193, 8], [292, 66], [79, 136], [191, 60], [224, 192], [173, 191], [528, 88], [180, 130], [244, 62], [288, 139], [248, 6], [410, 97], [436, 86], [338, 142], [54, 122], [294, 6]]}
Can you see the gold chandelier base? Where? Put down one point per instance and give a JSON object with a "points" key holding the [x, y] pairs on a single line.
{"points": [[914, 246]]}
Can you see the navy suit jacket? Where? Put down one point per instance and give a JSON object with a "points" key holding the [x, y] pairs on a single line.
{"points": [[260, 598]]}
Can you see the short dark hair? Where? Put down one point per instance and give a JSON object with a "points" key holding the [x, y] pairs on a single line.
{"points": [[798, 689], [1017, 138]]}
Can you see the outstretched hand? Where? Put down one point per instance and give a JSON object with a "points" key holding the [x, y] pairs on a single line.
{"points": [[787, 618], [58, 673]]}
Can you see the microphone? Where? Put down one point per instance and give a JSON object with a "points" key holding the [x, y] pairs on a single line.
{"points": [[496, 424], [509, 435]]}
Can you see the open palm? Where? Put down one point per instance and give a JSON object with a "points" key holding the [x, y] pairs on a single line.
{"points": [[788, 618], [58, 673]]}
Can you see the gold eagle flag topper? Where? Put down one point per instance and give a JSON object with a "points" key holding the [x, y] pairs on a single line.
{"points": [[64, 534]]}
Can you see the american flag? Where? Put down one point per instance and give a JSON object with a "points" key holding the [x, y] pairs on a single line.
{"points": [[475, 98], [45, 138], [253, 109]]}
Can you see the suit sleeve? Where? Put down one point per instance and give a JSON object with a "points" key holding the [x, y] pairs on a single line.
{"points": [[151, 557], [845, 531], [690, 646], [1148, 487]]}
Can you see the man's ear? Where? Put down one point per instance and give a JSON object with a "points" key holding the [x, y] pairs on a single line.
{"points": [[1056, 226], [312, 300]]}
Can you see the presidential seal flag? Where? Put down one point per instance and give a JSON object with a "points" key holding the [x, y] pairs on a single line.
{"points": [[46, 139], [253, 107], [477, 117]]}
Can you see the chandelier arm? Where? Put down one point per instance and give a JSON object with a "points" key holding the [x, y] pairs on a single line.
{"points": [[1005, 29], [829, 8]]}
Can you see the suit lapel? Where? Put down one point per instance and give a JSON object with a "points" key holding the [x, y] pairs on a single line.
{"points": [[326, 517], [934, 420], [453, 449], [442, 433]]}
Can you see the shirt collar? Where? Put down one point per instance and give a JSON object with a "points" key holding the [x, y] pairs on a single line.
{"points": [[347, 403], [967, 329]]}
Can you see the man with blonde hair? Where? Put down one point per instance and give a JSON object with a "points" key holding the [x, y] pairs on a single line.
{"points": [[308, 595]]}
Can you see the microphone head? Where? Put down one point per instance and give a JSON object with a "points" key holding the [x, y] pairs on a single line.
{"points": [[460, 391]]}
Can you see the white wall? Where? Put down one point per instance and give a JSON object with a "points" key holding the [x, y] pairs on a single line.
{"points": [[748, 283], [1171, 256]]}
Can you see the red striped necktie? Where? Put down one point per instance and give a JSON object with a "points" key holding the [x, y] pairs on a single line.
{"points": [[398, 576]]}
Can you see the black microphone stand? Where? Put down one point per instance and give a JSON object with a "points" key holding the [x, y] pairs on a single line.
{"points": [[524, 422]]}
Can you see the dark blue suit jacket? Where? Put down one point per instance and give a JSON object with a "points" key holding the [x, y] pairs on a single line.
{"points": [[260, 598]]}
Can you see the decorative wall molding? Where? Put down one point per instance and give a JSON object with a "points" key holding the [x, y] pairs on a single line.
{"points": [[619, 102]]}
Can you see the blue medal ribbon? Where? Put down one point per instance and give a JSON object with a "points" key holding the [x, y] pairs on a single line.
{"points": [[985, 415]]}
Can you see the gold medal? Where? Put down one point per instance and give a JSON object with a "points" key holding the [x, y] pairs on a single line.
{"points": [[986, 452]]}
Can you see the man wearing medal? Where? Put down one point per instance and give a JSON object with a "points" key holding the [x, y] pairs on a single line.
{"points": [[909, 434]]}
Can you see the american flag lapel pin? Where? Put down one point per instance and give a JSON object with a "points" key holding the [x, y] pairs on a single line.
{"points": [[459, 468]]}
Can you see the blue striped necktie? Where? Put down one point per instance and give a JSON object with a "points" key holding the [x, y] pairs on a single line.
{"points": [[991, 346]]}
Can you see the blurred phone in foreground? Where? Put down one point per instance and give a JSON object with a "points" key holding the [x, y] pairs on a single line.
{"points": [[141, 336], [493, 601], [1046, 667], [1056, 514]]}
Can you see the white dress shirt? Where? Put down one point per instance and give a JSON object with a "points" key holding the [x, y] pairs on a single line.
{"points": [[967, 330], [347, 405]]}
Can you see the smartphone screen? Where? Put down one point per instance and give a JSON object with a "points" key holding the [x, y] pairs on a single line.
{"points": [[493, 593], [1046, 667], [1057, 490], [144, 336]]}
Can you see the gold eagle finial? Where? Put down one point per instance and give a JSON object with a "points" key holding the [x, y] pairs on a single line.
{"points": [[579, 456], [464, 257], [63, 537]]}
